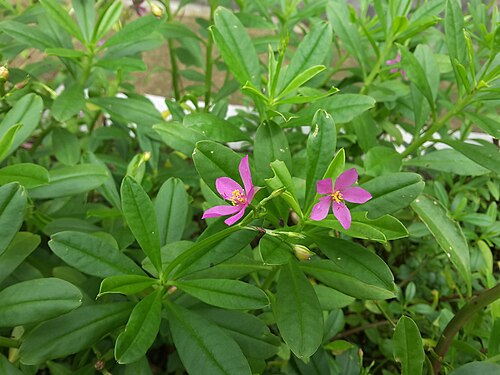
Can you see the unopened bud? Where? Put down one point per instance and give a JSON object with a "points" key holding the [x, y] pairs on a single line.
{"points": [[172, 289], [156, 10], [4, 73], [146, 156], [302, 253]]}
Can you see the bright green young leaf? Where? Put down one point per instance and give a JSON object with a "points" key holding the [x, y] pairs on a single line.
{"points": [[92, 255], [69, 103], [300, 80], [72, 332], [356, 230], [236, 47], [270, 144], [126, 284], [408, 347], [486, 155], [213, 160], [391, 193], [37, 300], [298, 312], [447, 233], [62, 17], [72, 180], [85, 16], [283, 179], [7, 140], [447, 160], [141, 329], [321, 146], [13, 204], [134, 31], [21, 246], [26, 174], [66, 146], [27, 111], [203, 347], [141, 219], [274, 251], [109, 17], [228, 294], [65, 52], [171, 207], [352, 269]]}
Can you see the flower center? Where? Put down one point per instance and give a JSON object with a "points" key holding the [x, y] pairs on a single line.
{"points": [[237, 198], [337, 196]]}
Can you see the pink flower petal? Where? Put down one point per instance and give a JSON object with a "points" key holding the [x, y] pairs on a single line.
{"points": [[320, 209], [346, 179], [394, 70], [390, 62], [225, 186], [324, 186], [356, 195], [245, 174], [233, 219], [342, 214], [220, 211]]}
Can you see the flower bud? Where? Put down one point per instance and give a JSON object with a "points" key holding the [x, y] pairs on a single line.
{"points": [[4, 73], [302, 253], [156, 10]]}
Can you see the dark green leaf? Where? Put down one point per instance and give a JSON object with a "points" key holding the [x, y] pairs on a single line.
{"points": [[13, 204], [178, 137], [69, 103], [66, 146], [214, 128], [274, 251], [270, 144], [408, 347], [448, 160], [21, 246]]}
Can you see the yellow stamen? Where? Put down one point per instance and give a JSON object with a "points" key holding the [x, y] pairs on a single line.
{"points": [[337, 196], [237, 197]]}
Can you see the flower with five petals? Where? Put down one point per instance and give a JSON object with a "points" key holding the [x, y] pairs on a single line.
{"points": [[231, 191], [336, 195]]}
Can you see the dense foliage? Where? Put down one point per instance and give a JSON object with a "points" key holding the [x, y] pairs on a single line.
{"points": [[342, 220]]}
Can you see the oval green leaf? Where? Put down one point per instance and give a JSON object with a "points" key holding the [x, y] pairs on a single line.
{"points": [[408, 348], [13, 204], [27, 174]]}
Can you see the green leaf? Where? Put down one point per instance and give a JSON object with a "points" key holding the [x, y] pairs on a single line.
{"points": [[352, 269], [171, 207], [274, 250], [453, 31], [72, 332], [382, 160], [108, 189], [8, 368], [61, 16], [140, 367], [126, 284], [128, 64], [214, 128], [28, 35], [408, 347], [486, 155], [37, 300], [447, 233], [487, 123], [66, 146], [391, 193], [141, 219], [72, 180], [69, 103], [391, 227], [331, 299], [27, 111], [298, 312], [65, 52], [133, 31], [21, 246], [213, 160], [483, 368], [178, 137], [343, 108], [7, 140], [108, 18], [228, 294], [203, 347], [92, 255], [270, 144], [236, 47], [448, 160], [13, 204], [85, 16], [141, 329], [283, 179], [321, 145], [127, 110], [26, 174], [300, 80]]}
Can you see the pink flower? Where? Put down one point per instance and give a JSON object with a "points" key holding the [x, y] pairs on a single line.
{"points": [[336, 196], [234, 193], [396, 61]]}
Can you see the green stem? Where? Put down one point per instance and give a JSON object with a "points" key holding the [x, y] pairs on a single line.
{"points": [[209, 61], [9, 343], [466, 313], [436, 126], [173, 61], [376, 69]]}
